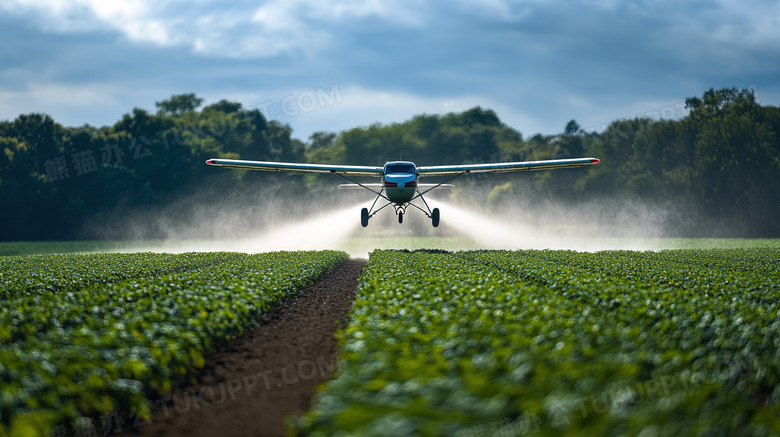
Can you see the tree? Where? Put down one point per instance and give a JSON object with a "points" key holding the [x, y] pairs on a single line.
{"points": [[723, 100], [572, 128], [478, 116], [179, 104], [225, 106], [321, 139], [721, 161]]}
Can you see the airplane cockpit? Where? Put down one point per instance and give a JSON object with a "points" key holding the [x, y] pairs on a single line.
{"points": [[398, 167]]}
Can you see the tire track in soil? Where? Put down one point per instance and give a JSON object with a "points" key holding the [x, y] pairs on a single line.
{"points": [[249, 385]]}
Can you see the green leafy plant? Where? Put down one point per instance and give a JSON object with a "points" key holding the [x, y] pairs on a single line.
{"points": [[559, 343], [88, 335]]}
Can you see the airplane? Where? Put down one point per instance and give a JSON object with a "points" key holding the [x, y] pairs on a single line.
{"points": [[399, 180]]}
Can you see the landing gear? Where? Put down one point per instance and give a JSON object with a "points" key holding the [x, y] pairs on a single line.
{"points": [[400, 209], [398, 198]]}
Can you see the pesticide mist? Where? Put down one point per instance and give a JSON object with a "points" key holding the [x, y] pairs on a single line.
{"points": [[323, 231], [523, 231], [273, 222]]}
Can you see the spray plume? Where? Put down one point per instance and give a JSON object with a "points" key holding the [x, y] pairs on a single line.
{"points": [[281, 223]]}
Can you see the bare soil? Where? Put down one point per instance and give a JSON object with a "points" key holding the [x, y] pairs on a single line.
{"points": [[272, 371]]}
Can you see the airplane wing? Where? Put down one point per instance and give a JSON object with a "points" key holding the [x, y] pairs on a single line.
{"points": [[504, 167], [346, 170], [359, 186], [378, 186]]}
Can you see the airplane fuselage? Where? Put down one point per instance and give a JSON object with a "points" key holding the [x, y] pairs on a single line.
{"points": [[399, 180]]}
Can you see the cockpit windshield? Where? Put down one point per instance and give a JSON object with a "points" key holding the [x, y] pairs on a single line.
{"points": [[399, 168]]}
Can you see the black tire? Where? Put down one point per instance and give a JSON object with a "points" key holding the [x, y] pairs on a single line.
{"points": [[435, 217], [364, 217], [400, 217]]}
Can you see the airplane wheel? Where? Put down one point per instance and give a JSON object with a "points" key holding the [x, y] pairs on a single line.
{"points": [[435, 217], [364, 217], [400, 217]]}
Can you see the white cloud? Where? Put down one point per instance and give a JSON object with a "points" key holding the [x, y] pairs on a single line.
{"points": [[305, 27], [754, 27], [215, 28], [538, 64], [135, 19], [724, 36], [96, 103], [42, 95], [56, 100], [359, 106], [499, 10]]}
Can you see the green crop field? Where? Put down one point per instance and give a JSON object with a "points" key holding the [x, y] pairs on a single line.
{"points": [[362, 245], [680, 342], [83, 335], [465, 343], [10, 248]]}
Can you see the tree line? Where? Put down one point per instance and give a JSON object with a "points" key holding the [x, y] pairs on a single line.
{"points": [[721, 159]]}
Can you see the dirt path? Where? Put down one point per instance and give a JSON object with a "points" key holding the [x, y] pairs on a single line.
{"points": [[248, 386]]}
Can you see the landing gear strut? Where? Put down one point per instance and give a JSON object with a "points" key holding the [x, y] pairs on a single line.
{"points": [[400, 209]]}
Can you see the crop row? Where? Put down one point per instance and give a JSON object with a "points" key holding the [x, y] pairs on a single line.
{"points": [[736, 270], [105, 347], [559, 343], [35, 274], [720, 316]]}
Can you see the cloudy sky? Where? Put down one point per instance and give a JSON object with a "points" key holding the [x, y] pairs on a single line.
{"points": [[334, 65]]}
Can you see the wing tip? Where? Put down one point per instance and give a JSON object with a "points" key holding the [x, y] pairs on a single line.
{"points": [[594, 160], [211, 162]]}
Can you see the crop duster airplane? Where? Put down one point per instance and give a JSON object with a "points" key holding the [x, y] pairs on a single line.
{"points": [[400, 184]]}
